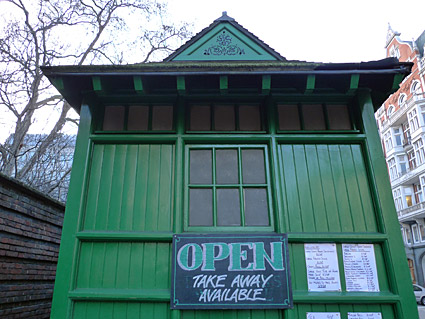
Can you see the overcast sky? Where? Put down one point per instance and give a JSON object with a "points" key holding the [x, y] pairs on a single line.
{"points": [[314, 30], [309, 30]]}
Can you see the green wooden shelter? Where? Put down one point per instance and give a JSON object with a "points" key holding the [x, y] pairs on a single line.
{"points": [[227, 136]]}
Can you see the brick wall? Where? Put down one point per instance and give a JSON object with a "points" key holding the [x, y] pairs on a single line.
{"points": [[30, 230]]}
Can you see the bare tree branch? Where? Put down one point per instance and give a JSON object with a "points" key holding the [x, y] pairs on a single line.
{"points": [[53, 32]]}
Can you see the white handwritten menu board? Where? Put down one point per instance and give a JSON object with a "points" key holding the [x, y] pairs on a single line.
{"points": [[322, 267], [323, 315], [364, 315], [360, 268]]}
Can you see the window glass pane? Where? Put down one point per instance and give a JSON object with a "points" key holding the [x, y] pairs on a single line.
{"points": [[162, 118], [200, 167], [249, 118], [200, 207], [228, 207], [114, 118], [200, 118], [313, 117], [256, 208], [224, 118], [138, 117], [289, 118], [227, 166], [253, 166], [338, 117]]}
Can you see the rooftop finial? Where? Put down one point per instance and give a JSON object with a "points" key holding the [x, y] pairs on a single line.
{"points": [[225, 17]]}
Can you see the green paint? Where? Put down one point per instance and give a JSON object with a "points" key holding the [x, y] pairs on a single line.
{"points": [[138, 83], [311, 82], [238, 255], [261, 256], [196, 260], [225, 43], [211, 258], [97, 83], [181, 84]]}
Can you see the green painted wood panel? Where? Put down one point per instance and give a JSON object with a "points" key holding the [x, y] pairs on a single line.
{"points": [[124, 265], [120, 310], [130, 188], [326, 189]]}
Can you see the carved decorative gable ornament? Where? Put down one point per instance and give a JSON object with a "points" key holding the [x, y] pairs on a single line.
{"points": [[225, 40]]}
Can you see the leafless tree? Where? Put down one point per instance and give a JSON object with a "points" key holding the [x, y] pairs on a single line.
{"points": [[51, 32]]}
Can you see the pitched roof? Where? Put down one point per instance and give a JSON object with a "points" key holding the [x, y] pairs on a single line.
{"points": [[225, 39]]}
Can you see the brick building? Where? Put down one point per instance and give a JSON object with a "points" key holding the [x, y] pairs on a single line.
{"points": [[30, 231], [401, 123]]}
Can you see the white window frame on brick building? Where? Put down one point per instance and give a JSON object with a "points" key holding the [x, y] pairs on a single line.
{"points": [[419, 151], [388, 141], [413, 120], [416, 87], [398, 201], [415, 234], [397, 136], [402, 99], [392, 167]]}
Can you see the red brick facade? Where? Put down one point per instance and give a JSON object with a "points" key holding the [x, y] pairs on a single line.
{"points": [[30, 230]]}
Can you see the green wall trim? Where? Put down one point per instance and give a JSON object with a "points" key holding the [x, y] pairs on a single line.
{"points": [[125, 236], [337, 238], [345, 297], [145, 295], [68, 253]]}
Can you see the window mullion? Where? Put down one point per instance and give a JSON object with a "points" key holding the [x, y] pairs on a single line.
{"points": [[241, 193], [214, 187]]}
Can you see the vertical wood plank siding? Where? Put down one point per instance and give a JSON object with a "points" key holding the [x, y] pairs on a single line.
{"points": [[130, 188], [322, 186], [326, 189]]}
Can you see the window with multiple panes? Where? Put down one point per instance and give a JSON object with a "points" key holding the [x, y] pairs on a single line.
{"points": [[419, 151], [413, 120], [392, 168], [415, 233], [228, 186], [406, 133], [415, 87], [388, 141], [402, 99], [412, 159], [397, 136], [417, 189], [422, 232], [407, 236], [313, 117], [135, 118], [225, 117], [397, 199], [402, 164]]}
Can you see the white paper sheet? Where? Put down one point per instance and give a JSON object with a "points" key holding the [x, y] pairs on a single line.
{"points": [[323, 315], [364, 315], [360, 267], [322, 267]]}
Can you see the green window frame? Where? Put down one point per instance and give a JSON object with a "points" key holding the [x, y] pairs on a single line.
{"points": [[225, 117], [211, 203]]}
